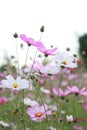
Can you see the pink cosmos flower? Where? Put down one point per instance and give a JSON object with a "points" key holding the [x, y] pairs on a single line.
{"points": [[38, 113], [29, 41], [3, 100], [75, 89], [78, 127], [60, 92], [43, 49]]}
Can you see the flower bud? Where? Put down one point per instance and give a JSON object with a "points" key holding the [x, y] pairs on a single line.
{"points": [[42, 29], [15, 35]]}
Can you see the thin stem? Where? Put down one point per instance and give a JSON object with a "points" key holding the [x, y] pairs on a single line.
{"points": [[34, 57], [58, 99], [17, 56], [26, 56]]}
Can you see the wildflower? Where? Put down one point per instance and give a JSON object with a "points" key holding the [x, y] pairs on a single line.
{"points": [[49, 69], [38, 113], [29, 41], [45, 51], [44, 90], [78, 127], [29, 102], [75, 89], [69, 118], [3, 100], [15, 84], [65, 60], [60, 92], [4, 124]]}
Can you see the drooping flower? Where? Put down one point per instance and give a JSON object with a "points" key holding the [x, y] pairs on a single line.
{"points": [[38, 113], [3, 100], [65, 60], [44, 50], [15, 84]]}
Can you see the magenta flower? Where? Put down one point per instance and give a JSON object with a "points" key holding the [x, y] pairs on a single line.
{"points": [[29, 41], [43, 49], [60, 92], [75, 89], [38, 113], [3, 100]]}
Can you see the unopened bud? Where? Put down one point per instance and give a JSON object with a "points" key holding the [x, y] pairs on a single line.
{"points": [[15, 35], [42, 29], [68, 49]]}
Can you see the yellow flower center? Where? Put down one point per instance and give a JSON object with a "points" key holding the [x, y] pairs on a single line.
{"points": [[38, 114], [49, 71], [54, 113], [15, 85], [64, 62]]}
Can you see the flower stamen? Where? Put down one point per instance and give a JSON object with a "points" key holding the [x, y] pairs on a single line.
{"points": [[15, 85], [38, 114], [64, 62]]}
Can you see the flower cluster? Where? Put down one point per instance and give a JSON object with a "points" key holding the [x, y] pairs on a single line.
{"points": [[47, 94]]}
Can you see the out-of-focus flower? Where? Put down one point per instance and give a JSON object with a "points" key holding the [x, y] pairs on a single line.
{"points": [[15, 84], [29, 102], [3, 100], [44, 90], [38, 113], [60, 92], [78, 127], [69, 118], [50, 69], [75, 89], [45, 51], [85, 107], [4, 124], [51, 128], [65, 60]]}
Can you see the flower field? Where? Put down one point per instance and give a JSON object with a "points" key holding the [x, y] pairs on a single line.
{"points": [[49, 94]]}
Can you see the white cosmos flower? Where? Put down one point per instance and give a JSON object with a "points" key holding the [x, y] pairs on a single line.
{"points": [[50, 69], [65, 60], [4, 124], [15, 84], [29, 102], [46, 91]]}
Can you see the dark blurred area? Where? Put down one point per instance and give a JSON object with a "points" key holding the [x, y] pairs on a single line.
{"points": [[83, 48]]}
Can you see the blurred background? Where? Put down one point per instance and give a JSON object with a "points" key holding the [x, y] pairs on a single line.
{"points": [[65, 22]]}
